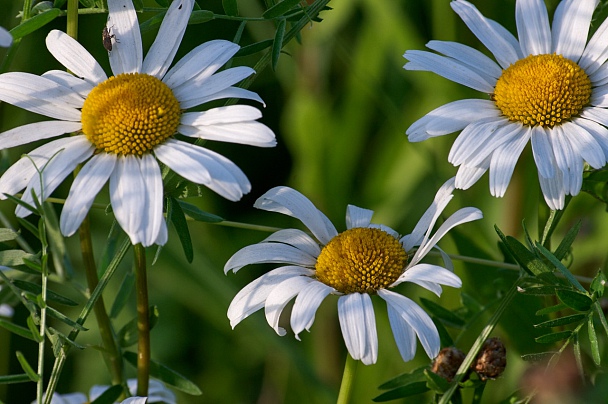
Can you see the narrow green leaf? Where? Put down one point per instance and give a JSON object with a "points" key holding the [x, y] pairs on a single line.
{"points": [[28, 226], [7, 235], [551, 309], [230, 7], [30, 267], [404, 391], [200, 216], [32, 326], [166, 375], [201, 16], [122, 297], [254, 48], [576, 345], [178, 218], [575, 318], [537, 290], [445, 315], [17, 329], [598, 284], [595, 348], [416, 375], [560, 267], [10, 379], [127, 335], [564, 245], [27, 368], [13, 258], [471, 304], [280, 9], [526, 259], [444, 336], [87, 3], [600, 314], [63, 318], [138, 5], [436, 382], [574, 300], [151, 23], [37, 289], [163, 3], [59, 251], [59, 340], [538, 357], [277, 44], [554, 337], [32, 24], [110, 396]]}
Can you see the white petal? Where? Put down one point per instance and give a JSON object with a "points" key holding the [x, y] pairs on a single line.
{"points": [[488, 33], [77, 85], [358, 217], [543, 152], [468, 175], [269, 253], [307, 302], [230, 92], [161, 53], [450, 118], [477, 61], [596, 52], [127, 189], [564, 155], [202, 61], [279, 297], [571, 23], [474, 137], [126, 55], [296, 238], [249, 133], [252, 297], [221, 115], [422, 273], [504, 159], [153, 210], [533, 27], [205, 167], [416, 318], [599, 115], [70, 53], [85, 188], [599, 133], [36, 131], [358, 325], [405, 337], [158, 392], [584, 144], [290, 202], [448, 68], [508, 133], [553, 190], [135, 400], [6, 39], [599, 96]]}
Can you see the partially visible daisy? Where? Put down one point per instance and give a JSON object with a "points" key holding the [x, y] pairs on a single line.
{"points": [[550, 87], [125, 124], [365, 260], [5, 309], [6, 38]]}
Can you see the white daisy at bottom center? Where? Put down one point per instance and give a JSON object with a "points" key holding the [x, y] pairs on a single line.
{"points": [[364, 260]]}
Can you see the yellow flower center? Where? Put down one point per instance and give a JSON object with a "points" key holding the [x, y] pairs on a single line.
{"points": [[542, 90], [129, 114], [361, 260]]}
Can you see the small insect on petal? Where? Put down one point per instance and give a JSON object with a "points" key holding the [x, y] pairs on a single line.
{"points": [[107, 38]]}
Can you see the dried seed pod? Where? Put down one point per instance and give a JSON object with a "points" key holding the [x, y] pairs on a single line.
{"points": [[447, 362], [491, 359]]}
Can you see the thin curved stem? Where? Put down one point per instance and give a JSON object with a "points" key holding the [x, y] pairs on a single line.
{"points": [[348, 377], [143, 322]]}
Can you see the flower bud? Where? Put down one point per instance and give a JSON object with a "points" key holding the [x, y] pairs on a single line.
{"points": [[491, 359]]}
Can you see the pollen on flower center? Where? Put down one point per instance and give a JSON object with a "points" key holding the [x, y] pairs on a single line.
{"points": [[542, 90], [129, 114], [361, 260]]}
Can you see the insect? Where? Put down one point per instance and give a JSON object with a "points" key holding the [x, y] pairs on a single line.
{"points": [[107, 38]]}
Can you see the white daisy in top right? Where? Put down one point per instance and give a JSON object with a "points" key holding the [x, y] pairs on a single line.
{"points": [[550, 87]]}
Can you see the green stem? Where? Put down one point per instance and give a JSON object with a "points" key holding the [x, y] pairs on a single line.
{"points": [[42, 303], [72, 19], [485, 333], [346, 387], [111, 351], [143, 322]]}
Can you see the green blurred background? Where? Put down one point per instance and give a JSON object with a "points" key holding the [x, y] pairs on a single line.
{"points": [[339, 103]]}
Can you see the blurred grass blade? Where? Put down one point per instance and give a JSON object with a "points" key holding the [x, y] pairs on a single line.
{"points": [[277, 44], [178, 218], [9, 379]]}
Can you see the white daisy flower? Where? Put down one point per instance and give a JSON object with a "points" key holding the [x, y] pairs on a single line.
{"points": [[126, 124], [550, 87], [364, 260], [6, 38]]}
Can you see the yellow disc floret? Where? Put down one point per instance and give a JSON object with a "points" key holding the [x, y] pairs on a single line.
{"points": [[129, 114], [543, 90], [361, 260]]}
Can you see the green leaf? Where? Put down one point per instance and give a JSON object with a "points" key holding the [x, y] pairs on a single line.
{"points": [[551, 309], [554, 337], [110, 396], [201, 16], [561, 267], [416, 375], [87, 3], [445, 315], [598, 284], [444, 336], [28, 226], [470, 303], [280, 9], [538, 357], [166, 375], [34, 23], [277, 44], [151, 23], [127, 335], [178, 218], [575, 318], [163, 3], [138, 5], [7, 235], [13, 258], [63, 318], [10, 379], [32, 326], [595, 348], [574, 300], [564, 245], [600, 314], [230, 7], [37, 289], [122, 297], [537, 290], [526, 259], [436, 382], [59, 251], [27, 368], [199, 215], [254, 48], [17, 329], [59, 340], [404, 391]]}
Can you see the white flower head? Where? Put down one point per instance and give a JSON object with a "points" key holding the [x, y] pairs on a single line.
{"points": [[126, 124], [6, 39], [550, 87], [364, 260]]}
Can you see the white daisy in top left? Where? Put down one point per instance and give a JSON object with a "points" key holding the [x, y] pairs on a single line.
{"points": [[125, 125]]}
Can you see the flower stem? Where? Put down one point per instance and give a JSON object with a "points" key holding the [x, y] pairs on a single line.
{"points": [[111, 351], [42, 303], [72, 19], [346, 387], [143, 322]]}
